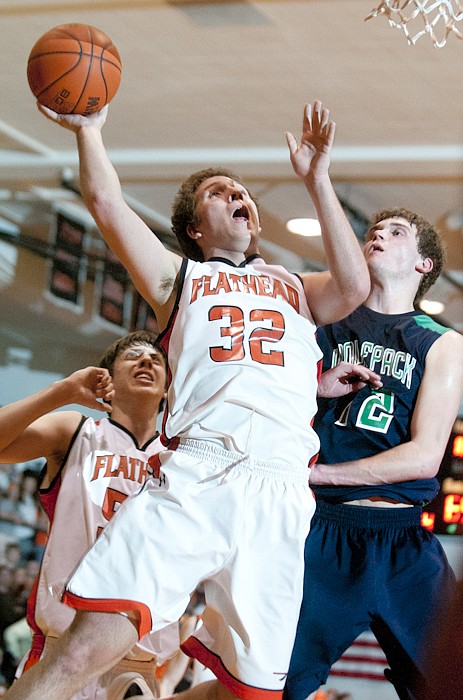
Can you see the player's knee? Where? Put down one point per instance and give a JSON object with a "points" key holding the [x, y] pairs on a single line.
{"points": [[73, 659], [93, 637]]}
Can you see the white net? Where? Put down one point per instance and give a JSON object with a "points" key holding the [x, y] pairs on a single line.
{"points": [[436, 18]]}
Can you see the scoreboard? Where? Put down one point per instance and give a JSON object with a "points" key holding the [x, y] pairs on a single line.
{"points": [[444, 515]]}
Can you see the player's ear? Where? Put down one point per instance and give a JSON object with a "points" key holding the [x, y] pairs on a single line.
{"points": [[192, 232], [424, 266]]}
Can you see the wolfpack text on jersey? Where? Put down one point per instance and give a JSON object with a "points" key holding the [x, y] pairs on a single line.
{"points": [[395, 346]]}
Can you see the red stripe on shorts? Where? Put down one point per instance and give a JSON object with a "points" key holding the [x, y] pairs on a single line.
{"points": [[193, 647], [111, 605]]}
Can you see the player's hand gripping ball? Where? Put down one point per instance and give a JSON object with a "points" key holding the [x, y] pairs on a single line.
{"points": [[74, 69]]}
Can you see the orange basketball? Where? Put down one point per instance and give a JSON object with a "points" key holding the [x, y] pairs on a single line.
{"points": [[74, 69]]}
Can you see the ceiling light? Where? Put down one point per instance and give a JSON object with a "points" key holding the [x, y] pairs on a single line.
{"points": [[304, 227], [433, 308]]}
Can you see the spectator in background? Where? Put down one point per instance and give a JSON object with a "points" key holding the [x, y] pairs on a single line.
{"points": [[10, 611], [17, 639], [5, 478], [11, 555], [20, 513], [3, 679]]}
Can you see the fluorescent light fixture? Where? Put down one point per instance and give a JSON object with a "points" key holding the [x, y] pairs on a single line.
{"points": [[433, 308], [304, 227]]}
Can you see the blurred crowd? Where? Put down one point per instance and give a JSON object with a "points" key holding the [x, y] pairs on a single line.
{"points": [[23, 528]]}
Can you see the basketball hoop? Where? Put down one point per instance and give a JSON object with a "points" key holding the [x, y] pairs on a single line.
{"points": [[437, 18]]}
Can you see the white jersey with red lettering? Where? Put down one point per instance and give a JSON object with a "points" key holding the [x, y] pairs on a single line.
{"points": [[244, 361], [103, 466], [236, 507]]}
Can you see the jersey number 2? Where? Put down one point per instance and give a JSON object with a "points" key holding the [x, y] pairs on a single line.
{"points": [[375, 413]]}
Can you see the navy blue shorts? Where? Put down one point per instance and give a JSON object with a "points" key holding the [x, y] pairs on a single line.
{"points": [[366, 568]]}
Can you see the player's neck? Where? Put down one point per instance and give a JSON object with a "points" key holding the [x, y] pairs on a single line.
{"points": [[236, 257], [140, 423], [389, 300]]}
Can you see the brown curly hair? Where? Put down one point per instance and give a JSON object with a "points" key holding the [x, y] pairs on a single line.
{"points": [[184, 208], [430, 244]]}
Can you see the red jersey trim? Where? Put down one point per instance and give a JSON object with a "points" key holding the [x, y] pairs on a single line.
{"points": [[35, 653], [31, 608], [110, 605], [193, 647]]}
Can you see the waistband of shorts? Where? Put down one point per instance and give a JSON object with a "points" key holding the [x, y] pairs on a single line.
{"points": [[227, 459], [364, 516]]}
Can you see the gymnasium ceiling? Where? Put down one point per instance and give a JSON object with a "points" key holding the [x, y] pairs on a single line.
{"points": [[219, 83]]}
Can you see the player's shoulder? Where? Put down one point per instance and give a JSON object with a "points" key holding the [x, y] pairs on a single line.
{"points": [[448, 335], [451, 339], [63, 420], [448, 348], [427, 323]]}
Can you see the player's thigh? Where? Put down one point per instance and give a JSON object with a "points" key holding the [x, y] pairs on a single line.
{"points": [[259, 590], [417, 581]]}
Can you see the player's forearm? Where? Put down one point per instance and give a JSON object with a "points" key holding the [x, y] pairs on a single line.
{"points": [[152, 267], [405, 462], [99, 182], [342, 250], [17, 416]]}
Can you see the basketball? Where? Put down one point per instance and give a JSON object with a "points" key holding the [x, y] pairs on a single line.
{"points": [[74, 69]]}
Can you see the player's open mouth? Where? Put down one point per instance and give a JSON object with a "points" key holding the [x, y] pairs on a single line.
{"points": [[241, 213], [144, 375]]}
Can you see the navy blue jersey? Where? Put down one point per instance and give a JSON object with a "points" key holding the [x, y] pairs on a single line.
{"points": [[373, 420]]}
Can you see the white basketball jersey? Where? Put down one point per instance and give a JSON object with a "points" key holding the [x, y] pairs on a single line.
{"points": [[104, 466], [244, 361]]}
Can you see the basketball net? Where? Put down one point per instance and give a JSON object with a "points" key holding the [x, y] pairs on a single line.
{"points": [[437, 18]]}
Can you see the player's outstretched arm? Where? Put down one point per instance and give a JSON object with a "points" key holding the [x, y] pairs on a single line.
{"points": [[151, 266], [31, 428], [421, 456], [334, 294]]}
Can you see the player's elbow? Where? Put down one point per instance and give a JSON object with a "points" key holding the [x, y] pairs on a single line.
{"points": [[97, 202], [358, 290], [430, 464], [430, 471], [353, 295], [104, 208]]}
